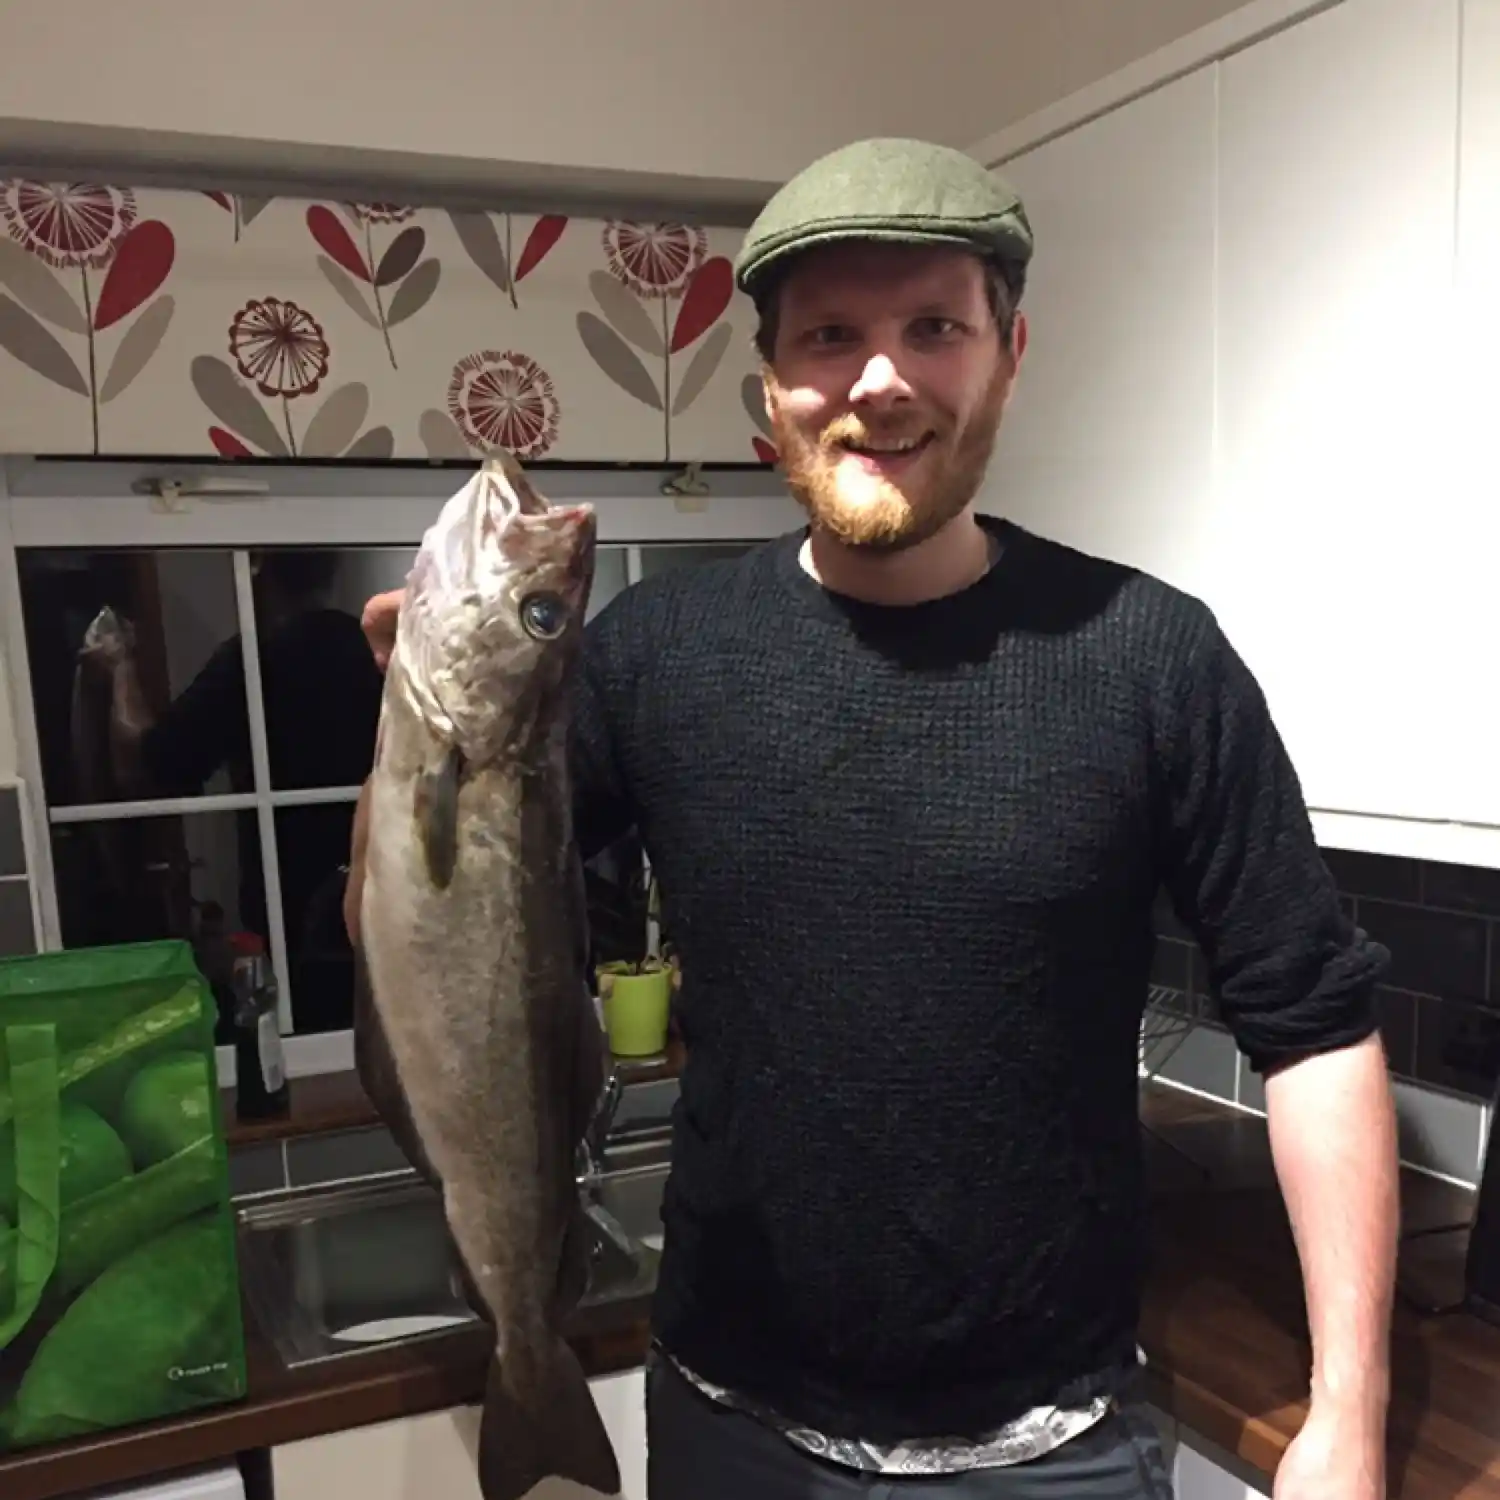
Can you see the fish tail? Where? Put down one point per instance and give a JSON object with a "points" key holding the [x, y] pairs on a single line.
{"points": [[540, 1421]]}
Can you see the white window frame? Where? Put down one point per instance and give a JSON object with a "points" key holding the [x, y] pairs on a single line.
{"points": [[92, 505]]}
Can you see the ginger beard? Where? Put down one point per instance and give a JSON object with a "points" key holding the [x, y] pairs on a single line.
{"points": [[886, 502]]}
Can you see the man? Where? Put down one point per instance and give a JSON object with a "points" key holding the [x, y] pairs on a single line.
{"points": [[910, 781]]}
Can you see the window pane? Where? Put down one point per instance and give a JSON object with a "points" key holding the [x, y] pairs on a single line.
{"points": [[318, 681], [319, 684], [312, 855], [126, 880], [659, 558], [182, 678]]}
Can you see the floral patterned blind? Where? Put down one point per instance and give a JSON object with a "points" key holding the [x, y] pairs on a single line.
{"points": [[137, 321]]}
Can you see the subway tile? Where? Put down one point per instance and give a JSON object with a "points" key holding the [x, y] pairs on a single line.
{"points": [[12, 848], [1398, 1028], [1207, 1061], [1383, 876], [256, 1169], [1437, 953], [1457, 1046], [1438, 1131], [17, 935], [1461, 888], [1171, 963], [341, 1155]]}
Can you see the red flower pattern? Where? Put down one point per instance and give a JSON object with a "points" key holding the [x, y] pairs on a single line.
{"points": [[67, 223], [280, 347], [654, 260], [504, 401]]}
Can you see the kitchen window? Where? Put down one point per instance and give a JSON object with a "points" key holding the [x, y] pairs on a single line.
{"points": [[252, 693]]}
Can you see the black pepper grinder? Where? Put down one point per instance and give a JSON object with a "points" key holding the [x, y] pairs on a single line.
{"points": [[261, 1088]]}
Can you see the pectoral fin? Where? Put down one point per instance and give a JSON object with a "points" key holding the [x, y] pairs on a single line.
{"points": [[436, 812]]}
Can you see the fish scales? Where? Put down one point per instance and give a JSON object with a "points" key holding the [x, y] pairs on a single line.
{"points": [[475, 1033]]}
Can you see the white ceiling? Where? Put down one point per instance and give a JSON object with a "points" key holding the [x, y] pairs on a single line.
{"points": [[685, 99]]}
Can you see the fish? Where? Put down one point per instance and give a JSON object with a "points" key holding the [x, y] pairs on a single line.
{"points": [[476, 1033]]}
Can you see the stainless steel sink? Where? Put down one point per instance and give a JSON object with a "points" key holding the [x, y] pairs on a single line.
{"points": [[333, 1271], [630, 1188]]}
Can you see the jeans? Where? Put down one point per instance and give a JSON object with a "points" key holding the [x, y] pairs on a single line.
{"points": [[699, 1450]]}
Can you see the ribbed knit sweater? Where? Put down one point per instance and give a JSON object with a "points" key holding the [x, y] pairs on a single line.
{"points": [[909, 857]]}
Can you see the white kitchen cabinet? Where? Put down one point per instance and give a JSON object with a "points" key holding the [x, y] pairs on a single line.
{"points": [[1344, 551], [1108, 443], [1263, 315], [435, 1454]]}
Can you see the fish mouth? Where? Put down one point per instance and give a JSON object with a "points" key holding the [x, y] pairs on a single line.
{"points": [[506, 480]]}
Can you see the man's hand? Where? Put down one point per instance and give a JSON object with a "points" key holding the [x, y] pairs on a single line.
{"points": [[379, 624], [1338, 1455]]}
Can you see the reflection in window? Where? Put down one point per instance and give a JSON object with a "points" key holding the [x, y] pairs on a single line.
{"points": [[180, 609], [318, 681], [131, 880], [312, 855], [159, 709]]}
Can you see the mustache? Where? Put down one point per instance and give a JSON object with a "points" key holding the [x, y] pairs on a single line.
{"points": [[852, 429]]}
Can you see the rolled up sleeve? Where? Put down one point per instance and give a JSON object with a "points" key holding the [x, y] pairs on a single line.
{"points": [[1293, 975]]}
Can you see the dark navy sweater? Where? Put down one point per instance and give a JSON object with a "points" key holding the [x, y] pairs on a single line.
{"points": [[909, 857]]}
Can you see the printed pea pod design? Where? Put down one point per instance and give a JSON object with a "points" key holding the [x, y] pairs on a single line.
{"points": [[119, 1285]]}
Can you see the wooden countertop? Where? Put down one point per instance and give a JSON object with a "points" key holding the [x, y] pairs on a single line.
{"points": [[1223, 1328]]}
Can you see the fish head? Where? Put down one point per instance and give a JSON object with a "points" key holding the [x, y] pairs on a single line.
{"points": [[494, 612]]}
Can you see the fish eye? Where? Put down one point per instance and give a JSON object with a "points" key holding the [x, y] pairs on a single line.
{"points": [[543, 616]]}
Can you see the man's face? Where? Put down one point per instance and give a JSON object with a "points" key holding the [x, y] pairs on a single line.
{"points": [[886, 388]]}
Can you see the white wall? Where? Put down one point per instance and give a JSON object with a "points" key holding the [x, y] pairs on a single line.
{"points": [[711, 91]]}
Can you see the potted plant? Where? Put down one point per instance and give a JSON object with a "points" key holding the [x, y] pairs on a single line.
{"points": [[635, 968]]}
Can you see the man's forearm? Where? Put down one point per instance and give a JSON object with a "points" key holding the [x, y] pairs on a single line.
{"points": [[1333, 1138]]}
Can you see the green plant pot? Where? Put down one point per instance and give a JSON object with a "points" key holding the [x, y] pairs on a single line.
{"points": [[636, 1011]]}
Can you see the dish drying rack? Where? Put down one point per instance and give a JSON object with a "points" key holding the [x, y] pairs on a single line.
{"points": [[1166, 1023]]}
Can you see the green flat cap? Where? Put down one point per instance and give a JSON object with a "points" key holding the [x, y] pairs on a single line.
{"points": [[891, 189]]}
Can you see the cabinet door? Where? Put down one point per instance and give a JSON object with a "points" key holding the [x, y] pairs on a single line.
{"points": [[1348, 555], [1109, 438], [435, 1454]]}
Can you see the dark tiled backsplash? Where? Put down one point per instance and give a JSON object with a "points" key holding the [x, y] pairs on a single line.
{"points": [[1440, 1007]]}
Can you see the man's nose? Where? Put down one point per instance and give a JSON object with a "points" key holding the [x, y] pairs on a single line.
{"points": [[880, 383]]}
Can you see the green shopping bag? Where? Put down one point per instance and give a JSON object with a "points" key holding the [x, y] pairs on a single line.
{"points": [[119, 1280]]}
